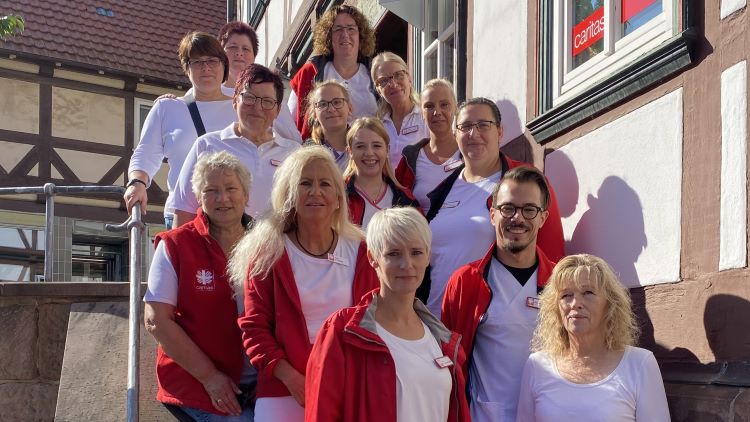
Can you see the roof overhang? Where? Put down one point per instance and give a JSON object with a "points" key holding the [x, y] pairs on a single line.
{"points": [[411, 11]]}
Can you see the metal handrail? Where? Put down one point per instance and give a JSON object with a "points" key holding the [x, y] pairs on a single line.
{"points": [[136, 228]]}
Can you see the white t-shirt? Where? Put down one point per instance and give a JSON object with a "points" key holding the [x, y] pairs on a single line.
{"points": [[633, 391], [324, 285], [413, 129], [429, 175], [505, 331], [262, 161], [169, 132], [461, 233], [423, 389], [370, 209], [359, 87]]}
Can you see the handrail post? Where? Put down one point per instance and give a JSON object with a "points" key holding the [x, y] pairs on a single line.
{"points": [[136, 228], [49, 213]]}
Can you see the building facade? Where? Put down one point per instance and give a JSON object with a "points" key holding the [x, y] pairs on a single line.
{"points": [[637, 112]]}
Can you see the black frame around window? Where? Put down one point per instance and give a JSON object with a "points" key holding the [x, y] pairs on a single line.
{"points": [[673, 56]]}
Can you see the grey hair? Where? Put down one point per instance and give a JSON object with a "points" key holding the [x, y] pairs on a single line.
{"points": [[208, 162], [393, 225]]}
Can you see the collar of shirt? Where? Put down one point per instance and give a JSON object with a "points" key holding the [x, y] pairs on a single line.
{"points": [[228, 133]]}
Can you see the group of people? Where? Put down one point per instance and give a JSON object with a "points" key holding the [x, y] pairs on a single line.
{"points": [[365, 252]]}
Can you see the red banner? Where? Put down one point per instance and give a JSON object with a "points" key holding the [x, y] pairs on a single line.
{"points": [[588, 31], [631, 8]]}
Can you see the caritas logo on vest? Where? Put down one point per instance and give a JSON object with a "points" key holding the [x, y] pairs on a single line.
{"points": [[588, 31], [204, 281]]}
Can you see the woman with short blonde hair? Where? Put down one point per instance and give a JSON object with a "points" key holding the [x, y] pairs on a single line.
{"points": [[302, 261], [583, 347]]}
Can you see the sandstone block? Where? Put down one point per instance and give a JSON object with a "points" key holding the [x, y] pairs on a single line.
{"points": [[18, 331], [53, 325], [27, 402]]}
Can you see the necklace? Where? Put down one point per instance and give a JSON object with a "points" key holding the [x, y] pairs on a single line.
{"points": [[325, 253], [379, 196]]}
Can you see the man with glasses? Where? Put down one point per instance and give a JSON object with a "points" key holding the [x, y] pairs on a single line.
{"points": [[493, 302]]}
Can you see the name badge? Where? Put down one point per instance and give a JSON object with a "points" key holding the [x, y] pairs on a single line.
{"points": [[452, 166], [336, 259], [443, 362], [532, 302], [408, 130], [452, 204], [275, 163]]}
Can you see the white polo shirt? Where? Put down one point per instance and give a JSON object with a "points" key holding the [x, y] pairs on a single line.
{"points": [[429, 175], [262, 161], [413, 129], [359, 87]]}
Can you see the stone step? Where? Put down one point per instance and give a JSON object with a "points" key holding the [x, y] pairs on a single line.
{"points": [[93, 383]]}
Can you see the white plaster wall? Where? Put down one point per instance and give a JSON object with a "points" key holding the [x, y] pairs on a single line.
{"points": [[730, 6], [499, 59], [733, 223], [620, 189]]}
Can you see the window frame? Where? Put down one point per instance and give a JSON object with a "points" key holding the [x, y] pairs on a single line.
{"points": [[438, 47], [137, 103]]}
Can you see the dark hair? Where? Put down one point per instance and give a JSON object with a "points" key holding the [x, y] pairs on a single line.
{"points": [[238, 28], [258, 74], [524, 174], [483, 101], [322, 31], [199, 43]]}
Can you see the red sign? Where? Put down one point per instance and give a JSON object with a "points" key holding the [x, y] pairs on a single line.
{"points": [[588, 31], [631, 8]]}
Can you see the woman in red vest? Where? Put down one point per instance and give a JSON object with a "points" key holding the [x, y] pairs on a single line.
{"points": [[301, 262], [190, 309]]}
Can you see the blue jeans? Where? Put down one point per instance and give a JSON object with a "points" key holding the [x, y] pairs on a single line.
{"points": [[168, 220], [203, 416]]}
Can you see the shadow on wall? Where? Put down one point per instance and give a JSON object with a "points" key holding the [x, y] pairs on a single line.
{"points": [[512, 126], [565, 180], [612, 228]]}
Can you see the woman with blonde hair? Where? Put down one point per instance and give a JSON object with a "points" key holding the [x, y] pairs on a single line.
{"points": [[423, 165], [370, 182], [343, 43], [301, 262], [329, 109], [388, 358], [583, 348], [398, 106]]}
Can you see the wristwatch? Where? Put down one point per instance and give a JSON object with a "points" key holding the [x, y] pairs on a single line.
{"points": [[134, 181]]}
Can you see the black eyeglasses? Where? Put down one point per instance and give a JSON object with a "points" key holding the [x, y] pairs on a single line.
{"points": [[210, 62], [528, 212], [481, 125], [266, 103], [337, 103], [385, 80]]}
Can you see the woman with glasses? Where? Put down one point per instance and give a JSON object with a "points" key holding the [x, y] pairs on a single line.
{"points": [[301, 262], [459, 209], [428, 162], [249, 139], [343, 43], [169, 130], [398, 106], [329, 109], [370, 183]]}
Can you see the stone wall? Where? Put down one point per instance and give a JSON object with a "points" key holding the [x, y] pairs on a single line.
{"points": [[33, 326]]}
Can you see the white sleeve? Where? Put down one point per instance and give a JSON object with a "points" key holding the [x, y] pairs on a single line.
{"points": [[651, 400], [162, 278], [149, 153], [183, 197], [526, 411], [284, 125], [292, 105]]}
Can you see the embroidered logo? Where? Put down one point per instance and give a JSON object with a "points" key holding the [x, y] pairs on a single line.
{"points": [[204, 280]]}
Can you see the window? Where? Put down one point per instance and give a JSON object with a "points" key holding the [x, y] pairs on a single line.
{"points": [[97, 259], [21, 254], [438, 55], [142, 107], [595, 38]]}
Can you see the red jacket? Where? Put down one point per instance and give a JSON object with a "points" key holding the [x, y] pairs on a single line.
{"points": [[401, 198], [273, 326], [352, 376], [406, 170], [468, 295], [205, 310]]}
